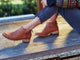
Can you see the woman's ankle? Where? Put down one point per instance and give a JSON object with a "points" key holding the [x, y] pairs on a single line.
{"points": [[32, 24]]}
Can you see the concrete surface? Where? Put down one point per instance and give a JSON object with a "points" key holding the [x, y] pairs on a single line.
{"points": [[67, 37]]}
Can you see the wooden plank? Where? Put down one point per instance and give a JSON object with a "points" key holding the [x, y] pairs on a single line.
{"points": [[54, 53], [39, 6], [66, 44]]}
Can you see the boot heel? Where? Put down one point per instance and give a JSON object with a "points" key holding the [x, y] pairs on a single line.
{"points": [[27, 38], [55, 33]]}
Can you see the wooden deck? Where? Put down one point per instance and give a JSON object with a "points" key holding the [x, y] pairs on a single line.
{"points": [[68, 40]]}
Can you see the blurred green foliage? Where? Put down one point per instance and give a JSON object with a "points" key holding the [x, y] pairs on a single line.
{"points": [[9, 9]]}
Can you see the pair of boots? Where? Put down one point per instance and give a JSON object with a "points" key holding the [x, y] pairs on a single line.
{"points": [[25, 36]]}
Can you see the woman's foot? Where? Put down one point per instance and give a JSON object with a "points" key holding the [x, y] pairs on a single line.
{"points": [[19, 34], [24, 32], [50, 28]]}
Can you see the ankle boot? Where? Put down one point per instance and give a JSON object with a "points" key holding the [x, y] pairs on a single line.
{"points": [[19, 34], [50, 28]]}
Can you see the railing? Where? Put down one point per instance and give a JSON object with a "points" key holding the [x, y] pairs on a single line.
{"points": [[16, 18]]}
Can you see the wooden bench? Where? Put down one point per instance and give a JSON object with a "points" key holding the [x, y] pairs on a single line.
{"points": [[64, 46]]}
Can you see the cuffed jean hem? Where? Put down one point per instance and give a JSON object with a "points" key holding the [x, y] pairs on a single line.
{"points": [[46, 13]]}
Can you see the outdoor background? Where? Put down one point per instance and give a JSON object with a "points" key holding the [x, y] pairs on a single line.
{"points": [[17, 7]]}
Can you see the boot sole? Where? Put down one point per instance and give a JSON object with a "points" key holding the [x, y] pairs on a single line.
{"points": [[52, 33]]}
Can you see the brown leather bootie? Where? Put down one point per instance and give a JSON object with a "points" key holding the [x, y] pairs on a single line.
{"points": [[50, 28], [19, 34]]}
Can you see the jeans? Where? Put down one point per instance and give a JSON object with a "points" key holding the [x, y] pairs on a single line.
{"points": [[71, 15]]}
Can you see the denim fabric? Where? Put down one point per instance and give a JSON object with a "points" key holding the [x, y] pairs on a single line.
{"points": [[46, 13], [72, 16]]}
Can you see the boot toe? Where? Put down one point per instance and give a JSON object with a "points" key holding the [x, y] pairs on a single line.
{"points": [[5, 34]]}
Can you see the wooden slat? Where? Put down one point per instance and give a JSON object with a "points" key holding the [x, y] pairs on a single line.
{"points": [[39, 6]]}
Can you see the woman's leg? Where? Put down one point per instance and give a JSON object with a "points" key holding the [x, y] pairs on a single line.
{"points": [[51, 27], [54, 25], [23, 32], [53, 18], [32, 24], [72, 16], [45, 14]]}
